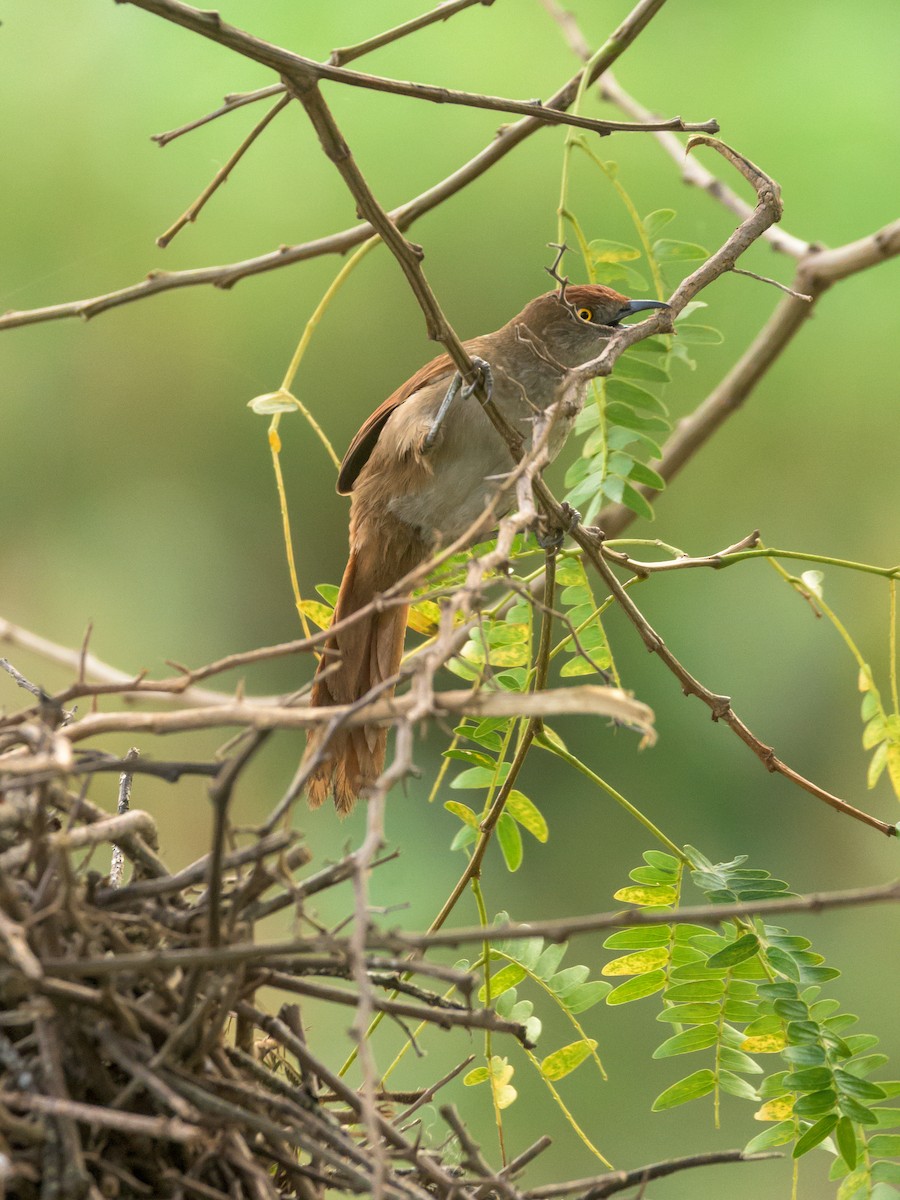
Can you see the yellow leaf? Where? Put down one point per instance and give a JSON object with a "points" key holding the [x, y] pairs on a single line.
{"points": [[424, 617], [775, 1110], [647, 895], [475, 1076], [319, 614], [501, 1073], [639, 963], [529, 817], [764, 1043]]}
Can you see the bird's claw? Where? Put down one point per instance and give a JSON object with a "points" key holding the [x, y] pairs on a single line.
{"points": [[483, 378], [552, 539]]}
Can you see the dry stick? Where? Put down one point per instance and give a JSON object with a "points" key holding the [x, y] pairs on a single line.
{"points": [[580, 698], [339, 243], [231, 103], [336, 59], [563, 928], [608, 1184], [169, 1129], [301, 73], [441, 13], [719, 706], [192, 212], [423, 1161], [123, 804], [445, 1018]]}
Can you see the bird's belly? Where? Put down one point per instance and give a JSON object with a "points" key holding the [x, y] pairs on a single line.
{"points": [[453, 498]]}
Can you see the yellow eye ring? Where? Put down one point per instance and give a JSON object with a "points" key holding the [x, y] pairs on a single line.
{"points": [[585, 314]]}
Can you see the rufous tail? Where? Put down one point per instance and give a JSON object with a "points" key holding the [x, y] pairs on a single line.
{"points": [[354, 661]]}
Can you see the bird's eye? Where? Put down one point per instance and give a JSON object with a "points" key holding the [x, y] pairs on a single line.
{"points": [[585, 314]]}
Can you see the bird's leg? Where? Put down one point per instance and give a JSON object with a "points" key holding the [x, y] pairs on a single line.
{"points": [[552, 539], [483, 377]]}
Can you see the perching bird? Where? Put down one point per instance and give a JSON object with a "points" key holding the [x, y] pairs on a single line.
{"points": [[418, 483]]}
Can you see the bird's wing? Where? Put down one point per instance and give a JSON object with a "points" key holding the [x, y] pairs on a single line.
{"points": [[364, 443]]}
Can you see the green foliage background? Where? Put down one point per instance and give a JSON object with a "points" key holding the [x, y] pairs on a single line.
{"points": [[136, 489]]}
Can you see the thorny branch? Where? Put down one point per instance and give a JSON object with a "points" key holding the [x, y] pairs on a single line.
{"points": [[404, 216], [115, 994]]}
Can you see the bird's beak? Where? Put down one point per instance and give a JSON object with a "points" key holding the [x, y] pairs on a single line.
{"points": [[635, 306]]}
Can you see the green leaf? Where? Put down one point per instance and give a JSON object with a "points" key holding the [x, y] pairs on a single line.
{"points": [[651, 875], [480, 777], [637, 988], [701, 1083], [814, 1104], [791, 1008], [699, 1038], [783, 963], [465, 814], [655, 222], [634, 396], [523, 810], [667, 250], [526, 952], [802, 1031], [736, 1060], [328, 592], [639, 939], [629, 366], [815, 1134], [859, 1089], [735, 1086], [510, 840], [689, 1014], [811, 1054], [661, 860], [566, 981], [845, 1136], [603, 251], [563, 1062], [585, 996], [818, 974], [813, 1079], [877, 763], [776, 1136], [639, 504], [736, 952], [549, 960], [699, 335], [701, 989], [506, 978], [465, 836], [740, 1010], [885, 1173], [641, 473], [884, 1145]]}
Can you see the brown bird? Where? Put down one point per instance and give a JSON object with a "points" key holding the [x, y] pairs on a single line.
{"points": [[419, 481]]}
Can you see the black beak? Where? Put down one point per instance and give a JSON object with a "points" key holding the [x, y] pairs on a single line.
{"points": [[636, 306]]}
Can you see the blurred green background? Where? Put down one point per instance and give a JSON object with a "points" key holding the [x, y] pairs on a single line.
{"points": [[137, 493]]}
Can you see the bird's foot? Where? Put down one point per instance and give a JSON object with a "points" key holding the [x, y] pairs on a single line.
{"points": [[483, 377], [551, 538]]}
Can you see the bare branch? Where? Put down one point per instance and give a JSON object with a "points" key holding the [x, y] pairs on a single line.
{"points": [[227, 275], [563, 928]]}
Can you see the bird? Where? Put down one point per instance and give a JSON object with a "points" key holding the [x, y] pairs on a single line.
{"points": [[420, 472]]}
